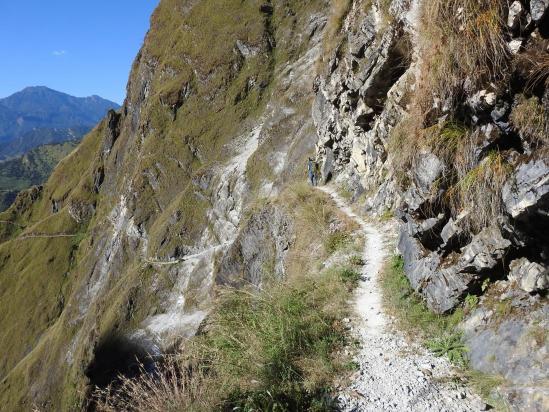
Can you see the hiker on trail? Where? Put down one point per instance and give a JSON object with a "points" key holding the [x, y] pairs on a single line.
{"points": [[311, 170]]}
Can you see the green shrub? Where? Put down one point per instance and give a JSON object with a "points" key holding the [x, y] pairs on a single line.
{"points": [[451, 346], [336, 241]]}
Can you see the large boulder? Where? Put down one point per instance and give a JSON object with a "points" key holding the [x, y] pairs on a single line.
{"points": [[529, 189], [538, 8], [530, 276], [485, 252]]}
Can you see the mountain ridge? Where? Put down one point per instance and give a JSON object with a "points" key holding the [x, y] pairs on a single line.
{"points": [[39, 115]]}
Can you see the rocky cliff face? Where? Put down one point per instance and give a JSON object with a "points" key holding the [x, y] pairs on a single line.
{"points": [[439, 111], [117, 256]]}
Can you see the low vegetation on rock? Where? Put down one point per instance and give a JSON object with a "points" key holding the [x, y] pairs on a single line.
{"points": [[33, 168]]}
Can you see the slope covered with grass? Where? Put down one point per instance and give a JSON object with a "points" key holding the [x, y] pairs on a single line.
{"points": [[34, 168], [149, 184]]}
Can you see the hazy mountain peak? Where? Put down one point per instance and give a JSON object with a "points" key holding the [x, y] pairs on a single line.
{"points": [[26, 114]]}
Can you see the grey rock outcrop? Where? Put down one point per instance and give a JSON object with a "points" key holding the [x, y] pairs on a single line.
{"points": [[516, 11], [454, 233], [507, 335], [538, 9], [446, 255], [444, 282], [531, 276], [528, 190], [259, 251], [485, 252], [349, 113]]}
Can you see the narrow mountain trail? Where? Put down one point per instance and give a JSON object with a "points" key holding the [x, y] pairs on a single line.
{"points": [[394, 374], [45, 236]]}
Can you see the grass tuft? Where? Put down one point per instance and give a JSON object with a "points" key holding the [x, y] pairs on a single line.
{"points": [[451, 346], [273, 349], [337, 241], [480, 186], [462, 39], [530, 119]]}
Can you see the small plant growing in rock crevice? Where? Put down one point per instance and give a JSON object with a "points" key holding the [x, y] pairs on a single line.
{"points": [[471, 302], [451, 346], [531, 121], [480, 186], [387, 215]]}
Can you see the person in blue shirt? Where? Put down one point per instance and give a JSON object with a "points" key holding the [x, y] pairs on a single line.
{"points": [[311, 169]]}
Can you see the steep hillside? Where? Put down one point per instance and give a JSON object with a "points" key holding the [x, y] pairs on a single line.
{"points": [[143, 212], [432, 111], [33, 168], [38, 115]]}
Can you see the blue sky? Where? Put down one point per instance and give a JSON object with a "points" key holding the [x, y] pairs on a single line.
{"points": [[80, 47]]}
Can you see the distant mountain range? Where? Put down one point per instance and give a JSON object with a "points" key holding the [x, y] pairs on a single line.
{"points": [[30, 169], [39, 115]]}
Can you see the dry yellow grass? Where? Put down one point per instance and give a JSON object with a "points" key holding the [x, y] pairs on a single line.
{"points": [[332, 37], [531, 120], [480, 188], [458, 40]]}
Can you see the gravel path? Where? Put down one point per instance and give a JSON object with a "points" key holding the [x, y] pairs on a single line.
{"points": [[394, 374]]}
